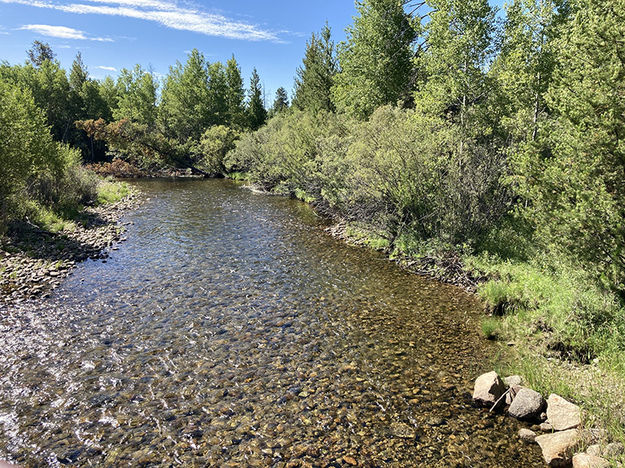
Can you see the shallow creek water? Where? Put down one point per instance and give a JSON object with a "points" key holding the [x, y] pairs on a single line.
{"points": [[230, 330]]}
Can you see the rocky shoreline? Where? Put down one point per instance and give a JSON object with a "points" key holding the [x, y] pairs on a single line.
{"points": [[33, 261], [557, 425]]}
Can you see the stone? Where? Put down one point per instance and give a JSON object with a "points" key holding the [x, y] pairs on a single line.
{"points": [[562, 414], [403, 431], [350, 460], [512, 393], [513, 380], [527, 436], [558, 447], [594, 450], [584, 460], [527, 404], [546, 427], [488, 389], [613, 450]]}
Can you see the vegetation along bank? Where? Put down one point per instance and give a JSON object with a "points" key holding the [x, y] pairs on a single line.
{"points": [[468, 141]]}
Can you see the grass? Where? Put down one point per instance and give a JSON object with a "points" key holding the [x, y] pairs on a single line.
{"points": [[363, 236], [242, 176], [490, 327], [110, 191]]}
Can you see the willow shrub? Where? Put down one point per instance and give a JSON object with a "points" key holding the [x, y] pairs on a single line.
{"points": [[399, 172]]}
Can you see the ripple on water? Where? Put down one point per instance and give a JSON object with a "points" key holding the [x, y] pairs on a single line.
{"points": [[231, 331]]}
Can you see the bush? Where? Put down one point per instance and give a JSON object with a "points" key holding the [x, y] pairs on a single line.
{"points": [[214, 144]]}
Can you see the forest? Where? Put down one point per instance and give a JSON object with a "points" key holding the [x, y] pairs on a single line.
{"points": [[441, 131]]}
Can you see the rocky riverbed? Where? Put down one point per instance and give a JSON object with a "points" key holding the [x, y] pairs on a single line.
{"points": [[34, 261]]}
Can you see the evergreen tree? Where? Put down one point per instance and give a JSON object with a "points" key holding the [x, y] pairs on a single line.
{"points": [[235, 95], [281, 102], [257, 114], [572, 176], [314, 80], [40, 52], [376, 61]]}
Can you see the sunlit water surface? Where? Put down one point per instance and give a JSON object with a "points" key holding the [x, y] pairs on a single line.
{"points": [[230, 330]]}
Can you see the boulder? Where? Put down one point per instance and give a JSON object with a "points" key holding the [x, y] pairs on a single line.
{"points": [[527, 404], [512, 392], [488, 389], [527, 436], [558, 447], [594, 450], [562, 414], [583, 460], [546, 427]]}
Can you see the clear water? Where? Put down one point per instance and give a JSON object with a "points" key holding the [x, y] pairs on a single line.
{"points": [[230, 330]]}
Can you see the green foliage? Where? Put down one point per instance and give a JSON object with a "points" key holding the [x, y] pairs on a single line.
{"points": [[235, 96], [257, 114], [136, 96], [109, 191], [376, 61], [215, 143], [490, 327], [572, 176], [281, 102], [313, 83]]}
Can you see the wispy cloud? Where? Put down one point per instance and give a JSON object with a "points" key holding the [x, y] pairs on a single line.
{"points": [[166, 13], [62, 32], [102, 67]]}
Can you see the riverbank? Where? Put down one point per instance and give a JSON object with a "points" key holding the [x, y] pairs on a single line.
{"points": [[542, 324], [35, 257]]}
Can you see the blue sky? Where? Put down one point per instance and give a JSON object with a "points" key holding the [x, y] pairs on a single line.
{"points": [[112, 34]]}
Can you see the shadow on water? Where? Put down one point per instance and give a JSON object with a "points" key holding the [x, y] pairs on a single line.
{"points": [[230, 330]]}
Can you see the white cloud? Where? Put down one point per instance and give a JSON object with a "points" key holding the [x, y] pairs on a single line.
{"points": [[102, 67], [165, 13], [62, 32]]}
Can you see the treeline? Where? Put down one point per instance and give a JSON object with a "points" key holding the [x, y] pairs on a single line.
{"points": [[52, 121]]}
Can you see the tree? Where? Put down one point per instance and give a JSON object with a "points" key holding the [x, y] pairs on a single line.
{"points": [[281, 102], [525, 64], [257, 114], [314, 80], [217, 95], [235, 95], [185, 109], [572, 176], [40, 52], [136, 90], [376, 61], [452, 66]]}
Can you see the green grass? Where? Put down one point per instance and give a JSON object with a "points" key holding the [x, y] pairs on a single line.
{"points": [[110, 191], [363, 236], [490, 327], [242, 176], [49, 220]]}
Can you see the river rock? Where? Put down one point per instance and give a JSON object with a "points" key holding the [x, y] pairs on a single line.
{"points": [[527, 404], [546, 427], [513, 380], [562, 414], [612, 450], [558, 447], [584, 460], [527, 436], [512, 393], [488, 389], [594, 450]]}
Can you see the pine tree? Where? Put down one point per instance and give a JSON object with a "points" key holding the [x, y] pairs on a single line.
{"points": [[257, 114], [235, 95], [217, 94], [376, 61], [40, 52], [314, 80], [281, 102]]}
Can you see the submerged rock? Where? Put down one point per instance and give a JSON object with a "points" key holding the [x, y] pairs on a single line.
{"points": [[488, 389], [527, 436], [527, 404], [558, 447], [562, 414]]}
